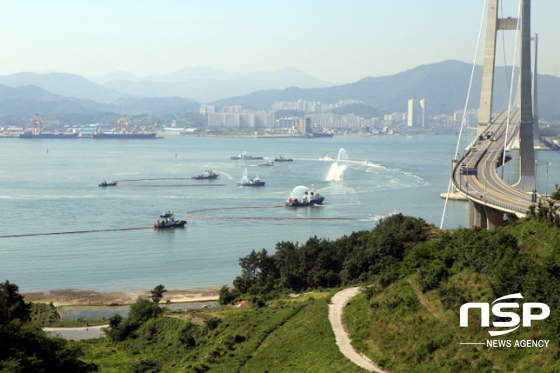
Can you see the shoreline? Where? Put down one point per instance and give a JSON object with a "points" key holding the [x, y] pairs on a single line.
{"points": [[73, 297]]}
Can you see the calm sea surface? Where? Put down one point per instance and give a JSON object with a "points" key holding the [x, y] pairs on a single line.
{"points": [[51, 186]]}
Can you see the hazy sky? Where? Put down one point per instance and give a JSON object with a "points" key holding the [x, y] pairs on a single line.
{"points": [[334, 40]]}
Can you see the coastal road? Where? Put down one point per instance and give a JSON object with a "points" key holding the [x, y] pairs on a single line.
{"points": [[336, 309], [76, 334]]}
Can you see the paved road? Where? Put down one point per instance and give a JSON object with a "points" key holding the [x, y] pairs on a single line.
{"points": [[475, 173], [336, 308], [76, 334]]}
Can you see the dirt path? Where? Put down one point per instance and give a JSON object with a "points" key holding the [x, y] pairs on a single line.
{"points": [[336, 309], [77, 334]]}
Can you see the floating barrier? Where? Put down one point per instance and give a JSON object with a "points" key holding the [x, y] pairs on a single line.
{"points": [[190, 214], [122, 183], [160, 178], [171, 185], [74, 232]]}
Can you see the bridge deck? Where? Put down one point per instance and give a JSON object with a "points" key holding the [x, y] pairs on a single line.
{"points": [[475, 173]]}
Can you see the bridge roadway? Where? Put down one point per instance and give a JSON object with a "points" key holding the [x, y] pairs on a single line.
{"points": [[475, 173]]}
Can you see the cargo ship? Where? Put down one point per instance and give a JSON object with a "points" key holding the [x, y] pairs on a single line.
{"points": [[48, 135], [35, 131], [123, 131], [128, 135]]}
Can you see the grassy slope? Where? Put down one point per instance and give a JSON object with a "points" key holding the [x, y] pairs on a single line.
{"points": [[304, 344], [405, 330], [290, 336]]}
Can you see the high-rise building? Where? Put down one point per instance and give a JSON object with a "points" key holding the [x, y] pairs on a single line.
{"points": [[207, 109], [416, 113], [410, 113], [305, 125], [422, 103]]}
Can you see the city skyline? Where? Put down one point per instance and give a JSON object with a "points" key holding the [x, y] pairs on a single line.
{"points": [[330, 40]]}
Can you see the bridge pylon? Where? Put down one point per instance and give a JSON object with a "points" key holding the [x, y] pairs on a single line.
{"points": [[525, 91], [479, 214], [526, 142]]}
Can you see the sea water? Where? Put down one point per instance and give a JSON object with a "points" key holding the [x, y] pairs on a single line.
{"points": [[51, 186]]}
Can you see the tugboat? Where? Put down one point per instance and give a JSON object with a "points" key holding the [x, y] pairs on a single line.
{"points": [[168, 221], [310, 198], [106, 184], [208, 174], [253, 182], [282, 159]]}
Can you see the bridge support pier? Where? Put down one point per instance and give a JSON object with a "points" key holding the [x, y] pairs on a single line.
{"points": [[484, 216]]}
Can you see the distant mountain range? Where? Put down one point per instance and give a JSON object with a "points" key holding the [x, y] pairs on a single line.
{"points": [[204, 84], [443, 85], [23, 102]]}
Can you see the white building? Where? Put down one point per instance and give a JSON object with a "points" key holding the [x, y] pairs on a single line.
{"points": [[206, 109], [416, 113], [246, 119]]}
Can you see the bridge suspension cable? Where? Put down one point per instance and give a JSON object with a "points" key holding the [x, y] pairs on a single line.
{"points": [[463, 119], [511, 91]]}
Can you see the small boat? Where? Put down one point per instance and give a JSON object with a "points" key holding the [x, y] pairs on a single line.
{"points": [[327, 158], [244, 155], [267, 163], [106, 184], [208, 174], [253, 182], [310, 198], [282, 159], [168, 221]]}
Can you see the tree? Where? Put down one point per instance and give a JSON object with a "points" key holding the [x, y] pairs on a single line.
{"points": [[157, 293], [258, 273], [12, 305], [27, 348], [226, 296], [143, 310]]}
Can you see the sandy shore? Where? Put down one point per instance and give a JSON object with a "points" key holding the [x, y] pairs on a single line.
{"points": [[70, 297]]}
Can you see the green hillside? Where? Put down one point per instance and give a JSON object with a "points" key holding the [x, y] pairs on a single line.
{"points": [[413, 324], [283, 336]]}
